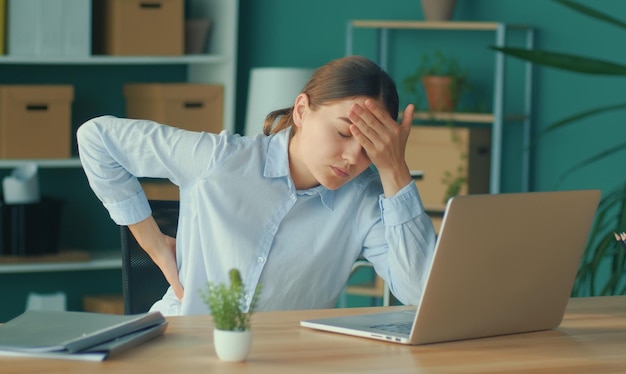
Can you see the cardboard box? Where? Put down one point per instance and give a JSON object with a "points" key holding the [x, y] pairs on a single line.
{"points": [[191, 106], [110, 304], [49, 27], [35, 121], [432, 150], [139, 27]]}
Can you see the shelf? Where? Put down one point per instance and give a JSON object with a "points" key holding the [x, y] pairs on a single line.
{"points": [[429, 25], [112, 60], [370, 289], [98, 260], [454, 117], [423, 25], [59, 163], [486, 118]]}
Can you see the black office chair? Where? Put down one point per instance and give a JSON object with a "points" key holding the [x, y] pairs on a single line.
{"points": [[143, 283]]}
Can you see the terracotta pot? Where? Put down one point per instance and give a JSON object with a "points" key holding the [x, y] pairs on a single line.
{"points": [[233, 346], [441, 93], [438, 10]]}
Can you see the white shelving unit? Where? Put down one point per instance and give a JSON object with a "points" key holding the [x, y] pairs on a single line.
{"points": [[100, 260], [60, 163], [218, 66], [497, 117]]}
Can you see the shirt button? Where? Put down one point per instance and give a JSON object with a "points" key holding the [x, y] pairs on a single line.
{"points": [[260, 260], [293, 197], [247, 297]]}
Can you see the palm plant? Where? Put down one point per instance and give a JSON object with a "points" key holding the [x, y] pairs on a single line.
{"points": [[602, 250]]}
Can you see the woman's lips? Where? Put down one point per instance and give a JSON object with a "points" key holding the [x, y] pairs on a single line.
{"points": [[340, 172]]}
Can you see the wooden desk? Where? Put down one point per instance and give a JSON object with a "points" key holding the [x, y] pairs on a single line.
{"points": [[591, 339]]}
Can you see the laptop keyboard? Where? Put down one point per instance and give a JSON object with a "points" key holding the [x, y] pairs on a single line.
{"points": [[402, 328]]}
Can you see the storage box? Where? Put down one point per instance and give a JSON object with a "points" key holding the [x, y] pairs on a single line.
{"points": [[35, 121], [191, 106], [139, 27], [49, 27], [30, 229], [433, 150], [109, 304]]}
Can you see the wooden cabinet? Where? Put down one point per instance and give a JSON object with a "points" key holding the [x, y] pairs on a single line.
{"points": [[449, 156]]}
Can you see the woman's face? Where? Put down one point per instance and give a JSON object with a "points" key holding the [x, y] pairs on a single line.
{"points": [[323, 151]]}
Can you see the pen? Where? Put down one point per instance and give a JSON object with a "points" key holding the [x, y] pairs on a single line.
{"points": [[621, 239]]}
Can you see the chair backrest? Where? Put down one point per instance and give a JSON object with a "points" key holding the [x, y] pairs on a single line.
{"points": [[143, 282]]}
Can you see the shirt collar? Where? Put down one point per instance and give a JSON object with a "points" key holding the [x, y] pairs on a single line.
{"points": [[277, 166]]}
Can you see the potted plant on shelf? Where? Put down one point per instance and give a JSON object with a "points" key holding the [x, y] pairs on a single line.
{"points": [[232, 336], [442, 80]]}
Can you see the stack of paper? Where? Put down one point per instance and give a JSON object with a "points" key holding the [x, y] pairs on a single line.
{"points": [[77, 335]]}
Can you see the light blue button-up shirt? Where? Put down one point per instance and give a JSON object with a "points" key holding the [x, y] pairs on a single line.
{"points": [[239, 209]]}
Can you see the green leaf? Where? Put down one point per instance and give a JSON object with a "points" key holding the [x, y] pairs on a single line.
{"points": [[592, 13], [601, 247], [565, 61], [582, 115], [591, 160]]}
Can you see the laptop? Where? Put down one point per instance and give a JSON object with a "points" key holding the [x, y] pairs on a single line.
{"points": [[503, 264]]}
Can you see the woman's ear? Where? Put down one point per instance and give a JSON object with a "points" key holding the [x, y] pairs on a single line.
{"points": [[299, 108]]}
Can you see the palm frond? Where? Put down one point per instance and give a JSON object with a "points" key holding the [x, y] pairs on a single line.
{"points": [[565, 61], [579, 116], [601, 247], [592, 13], [598, 157]]}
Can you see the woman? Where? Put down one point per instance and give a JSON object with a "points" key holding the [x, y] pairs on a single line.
{"points": [[291, 210]]}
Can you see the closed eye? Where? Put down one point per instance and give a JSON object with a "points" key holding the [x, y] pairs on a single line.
{"points": [[343, 135]]}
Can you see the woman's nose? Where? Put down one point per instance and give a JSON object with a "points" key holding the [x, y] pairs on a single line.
{"points": [[352, 152]]}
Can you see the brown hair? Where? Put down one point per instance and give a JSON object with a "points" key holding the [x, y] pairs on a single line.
{"points": [[346, 77]]}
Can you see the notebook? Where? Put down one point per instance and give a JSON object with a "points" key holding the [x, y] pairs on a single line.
{"points": [[77, 335], [503, 264]]}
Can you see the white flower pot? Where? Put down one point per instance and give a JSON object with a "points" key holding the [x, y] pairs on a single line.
{"points": [[232, 346]]}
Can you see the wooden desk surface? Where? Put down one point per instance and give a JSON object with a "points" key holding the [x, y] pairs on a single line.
{"points": [[591, 339]]}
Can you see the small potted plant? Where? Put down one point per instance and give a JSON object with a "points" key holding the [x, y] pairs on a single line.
{"points": [[442, 79], [232, 336]]}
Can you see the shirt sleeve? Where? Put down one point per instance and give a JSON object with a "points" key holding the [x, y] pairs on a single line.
{"points": [[115, 152], [401, 246]]}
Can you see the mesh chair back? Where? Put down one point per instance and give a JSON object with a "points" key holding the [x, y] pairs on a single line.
{"points": [[143, 282]]}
